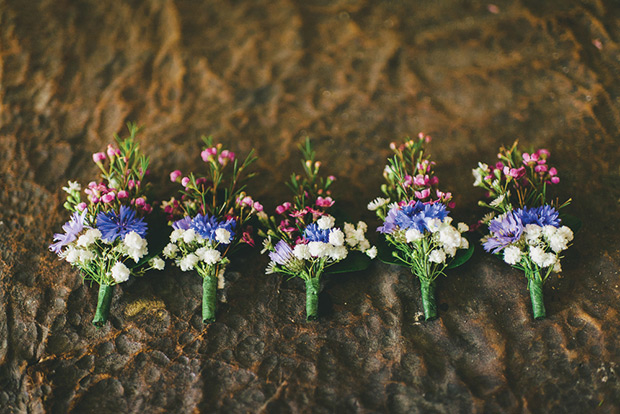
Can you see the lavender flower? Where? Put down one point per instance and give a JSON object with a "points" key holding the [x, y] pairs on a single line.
{"points": [[184, 224], [72, 228], [504, 230], [113, 226], [282, 254]]}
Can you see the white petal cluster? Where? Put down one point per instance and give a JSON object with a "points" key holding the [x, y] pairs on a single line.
{"points": [[88, 238], [190, 249], [443, 238], [135, 246], [355, 237], [377, 203], [326, 222], [541, 245], [157, 263], [120, 272]]}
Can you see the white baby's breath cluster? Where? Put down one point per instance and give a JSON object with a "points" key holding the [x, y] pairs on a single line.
{"points": [[192, 251], [91, 254], [540, 245]]}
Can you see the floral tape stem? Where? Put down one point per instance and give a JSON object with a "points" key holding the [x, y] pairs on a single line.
{"points": [[312, 298], [103, 305], [535, 285], [209, 286], [428, 299]]}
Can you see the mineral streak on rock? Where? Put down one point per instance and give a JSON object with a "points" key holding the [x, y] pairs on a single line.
{"points": [[352, 75]]}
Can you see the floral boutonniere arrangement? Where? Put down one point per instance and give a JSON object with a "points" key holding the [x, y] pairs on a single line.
{"points": [[303, 239], [417, 230], [210, 219], [106, 237], [525, 229]]}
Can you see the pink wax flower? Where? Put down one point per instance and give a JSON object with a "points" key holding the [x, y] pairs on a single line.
{"points": [[331, 177], [208, 154], [226, 156], [109, 197], [423, 194], [140, 202], [247, 238], [283, 208], [324, 202], [555, 179], [174, 175], [98, 157], [298, 213], [113, 152], [553, 171], [257, 206], [185, 181], [122, 194], [541, 168], [81, 206]]}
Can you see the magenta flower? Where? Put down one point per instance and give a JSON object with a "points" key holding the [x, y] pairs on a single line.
{"points": [[283, 208], [423, 194], [324, 202], [185, 181], [122, 194], [257, 206], [226, 156], [208, 154], [174, 175], [98, 157], [108, 198]]}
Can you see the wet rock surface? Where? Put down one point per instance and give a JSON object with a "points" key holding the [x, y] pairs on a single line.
{"points": [[352, 75]]}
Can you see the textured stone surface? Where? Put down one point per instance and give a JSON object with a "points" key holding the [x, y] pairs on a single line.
{"points": [[352, 75]]}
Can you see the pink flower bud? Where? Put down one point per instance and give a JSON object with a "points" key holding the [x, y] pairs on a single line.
{"points": [[140, 202], [208, 154], [284, 207], [331, 177], [174, 175], [553, 171], [257, 206], [555, 179], [122, 194], [81, 206], [185, 181], [107, 198], [111, 151], [98, 157]]}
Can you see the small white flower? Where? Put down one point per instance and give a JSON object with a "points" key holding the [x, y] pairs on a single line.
{"points": [[188, 262], [362, 226], [557, 267], [211, 256], [432, 224], [540, 257], [176, 235], [88, 238], [532, 234], [86, 255], [449, 237], [120, 272], [222, 236], [462, 227], [413, 235], [72, 186], [326, 222], [72, 255], [170, 251], [377, 203], [549, 231], [478, 176], [189, 236], [364, 245], [512, 255], [337, 253], [464, 243], [317, 248], [372, 252], [488, 217], [498, 200], [558, 243], [566, 232], [157, 263], [133, 240], [267, 245], [301, 252], [437, 256], [336, 237], [270, 268]]}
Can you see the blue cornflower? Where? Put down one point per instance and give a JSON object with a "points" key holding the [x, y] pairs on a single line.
{"points": [[314, 233], [113, 226], [205, 225], [504, 230], [72, 228], [183, 224], [542, 216], [413, 216], [283, 253]]}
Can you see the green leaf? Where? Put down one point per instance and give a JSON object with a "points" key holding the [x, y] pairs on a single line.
{"points": [[462, 256], [354, 262], [571, 221]]}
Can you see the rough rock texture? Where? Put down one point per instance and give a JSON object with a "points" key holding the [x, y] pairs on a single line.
{"points": [[352, 75]]}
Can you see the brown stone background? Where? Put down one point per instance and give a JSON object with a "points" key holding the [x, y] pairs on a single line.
{"points": [[352, 75]]}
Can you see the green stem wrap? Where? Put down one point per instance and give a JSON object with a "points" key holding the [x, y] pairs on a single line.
{"points": [[103, 305], [428, 299], [535, 285], [312, 298], [209, 287]]}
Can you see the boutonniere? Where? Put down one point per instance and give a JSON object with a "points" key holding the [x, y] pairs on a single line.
{"points": [[525, 229], [304, 240], [210, 219], [106, 237], [417, 230]]}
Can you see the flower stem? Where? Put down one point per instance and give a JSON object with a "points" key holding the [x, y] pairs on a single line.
{"points": [[312, 298], [428, 299], [209, 286], [535, 285], [103, 305]]}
